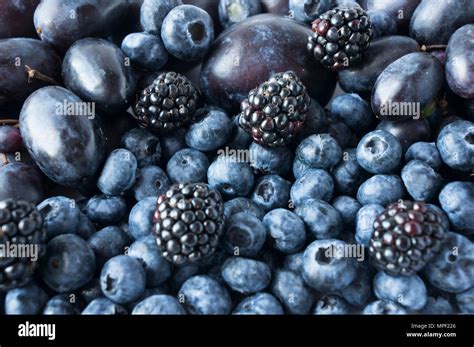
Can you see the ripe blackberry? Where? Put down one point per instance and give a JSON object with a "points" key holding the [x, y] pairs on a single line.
{"points": [[189, 222], [339, 37], [21, 234], [276, 110], [406, 236], [168, 103]]}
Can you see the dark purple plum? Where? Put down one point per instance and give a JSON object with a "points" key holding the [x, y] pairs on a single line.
{"points": [[68, 146], [382, 52], [16, 17], [62, 22], [17, 57], [249, 52], [408, 131], [460, 62], [433, 22], [98, 71], [402, 10], [10, 139], [22, 182]]}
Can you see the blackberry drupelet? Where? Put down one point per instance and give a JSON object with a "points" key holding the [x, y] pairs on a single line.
{"points": [[188, 222], [275, 111], [406, 237], [168, 103], [21, 224], [339, 37]]}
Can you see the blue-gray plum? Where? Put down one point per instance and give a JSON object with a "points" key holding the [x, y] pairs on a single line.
{"points": [[21, 182], [16, 17], [401, 10]]}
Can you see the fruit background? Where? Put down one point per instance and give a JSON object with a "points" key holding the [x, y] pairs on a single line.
{"points": [[237, 156]]}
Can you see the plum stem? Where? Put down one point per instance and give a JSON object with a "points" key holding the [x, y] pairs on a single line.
{"points": [[428, 48], [34, 74], [13, 122], [5, 161]]}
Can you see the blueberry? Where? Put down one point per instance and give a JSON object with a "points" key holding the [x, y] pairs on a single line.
{"points": [[204, 295], [379, 152], [86, 228], [381, 189], [122, 279], [270, 192], [159, 304], [325, 268], [187, 32], [238, 205], [465, 301], [348, 208], [145, 50], [383, 23], [107, 243], [313, 184], [457, 200], [294, 262], [438, 306], [246, 275], [153, 12], [383, 307], [182, 274], [239, 139], [172, 142], [299, 168], [234, 11], [144, 145], [359, 292], [270, 160], [341, 133], [316, 121], [152, 181], [90, 291], [292, 291], [104, 306], [140, 220], [60, 305], [353, 111], [60, 215], [230, 177], [188, 165], [331, 305], [365, 219], [69, 263], [259, 304], [308, 10], [456, 145], [285, 229], [119, 172], [321, 219], [348, 174], [244, 235], [27, 300], [421, 180], [408, 291], [211, 131], [157, 269], [319, 151], [106, 209], [424, 151], [452, 269]]}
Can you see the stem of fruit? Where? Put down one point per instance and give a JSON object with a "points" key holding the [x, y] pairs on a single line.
{"points": [[4, 160], [13, 122], [34, 74], [425, 48]]}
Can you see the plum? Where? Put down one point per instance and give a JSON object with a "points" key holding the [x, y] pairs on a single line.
{"points": [[401, 10], [408, 131], [21, 181], [16, 17], [98, 71], [65, 141], [276, 6], [251, 51]]}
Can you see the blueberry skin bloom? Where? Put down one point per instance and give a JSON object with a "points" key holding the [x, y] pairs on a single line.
{"points": [[319, 151], [238, 205], [144, 145], [187, 32], [246, 275], [152, 181], [457, 200], [379, 152], [353, 111], [69, 263], [308, 10], [119, 172], [104, 306], [244, 235], [122, 279], [331, 305], [381, 189], [348, 174], [188, 166], [383, 307], [424, 151], [325, 268], [204, 295], [465, 301], [347, 208], [292, 291], [452, 269], [211, 131], [140, 219], [321, 219], [234, 11], [107, 243], [270, 160], [60, 305], [456, 145], [25, 300], [153, 12], [270, 192], [285, 229], [314, 184], [421, 180], [408, 291], [106, 210], [259, 304], [159, 304], [146, 50], [60, 215], [365, 219], [230, 178]]}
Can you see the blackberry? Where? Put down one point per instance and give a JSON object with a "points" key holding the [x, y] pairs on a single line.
{"points": [[406, 236], [276, 110], [168, 103], [188, 222], [22, 240], [339, 37]]}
